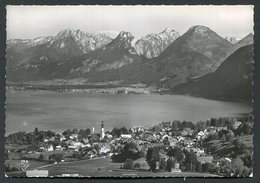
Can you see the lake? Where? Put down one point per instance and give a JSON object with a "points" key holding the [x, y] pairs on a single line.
{"points": [[56, 111]]}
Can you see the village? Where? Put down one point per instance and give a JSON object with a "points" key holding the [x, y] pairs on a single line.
{"points": [[174, 147]]}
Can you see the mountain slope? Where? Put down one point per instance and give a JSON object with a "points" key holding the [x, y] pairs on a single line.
{"points": [[64, 46], [38, 58], [152, 45], [203, 40], [197, 52], [232, 80], [248, 40], [112, 56]]}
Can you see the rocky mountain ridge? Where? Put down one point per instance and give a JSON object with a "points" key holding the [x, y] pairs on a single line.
{"points": [[152, 45]]}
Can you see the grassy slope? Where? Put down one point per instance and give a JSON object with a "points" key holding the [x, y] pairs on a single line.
{"points": [[102, 167]]}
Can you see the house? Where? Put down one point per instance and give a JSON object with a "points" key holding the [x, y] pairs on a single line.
{"points": [[85, 140], [201, 135], [62, 138], [50, 148], [52, 139], [184, 133], [109, 136], [37, 173], [176, 168], [104, 150], [74, 136], [59, 148], [74, 148], [199, 152], [85, 145], [126, 136], [76, 143], [236, 125], [222, 128], [205, 159], [69, 142], [92, 153], [228, 159], [42, 149]]}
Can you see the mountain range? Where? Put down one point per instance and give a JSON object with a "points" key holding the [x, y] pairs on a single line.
{"points": [[166, 59]]}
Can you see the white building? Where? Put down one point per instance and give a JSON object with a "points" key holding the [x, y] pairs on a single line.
{"points": [[126, 136], [102, 131], [50, 148], [37, 173]]}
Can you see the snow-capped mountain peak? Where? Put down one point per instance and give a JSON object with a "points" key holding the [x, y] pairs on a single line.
{"points": [[153, 44]]}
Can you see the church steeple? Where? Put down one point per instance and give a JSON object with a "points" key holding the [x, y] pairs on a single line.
{"points": [[102, 130]]}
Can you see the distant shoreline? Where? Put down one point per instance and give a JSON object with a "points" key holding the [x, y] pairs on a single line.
{"points": [[113, 89]]}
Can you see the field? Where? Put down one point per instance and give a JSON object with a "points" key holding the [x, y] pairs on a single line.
{"points": [[102, 167]]}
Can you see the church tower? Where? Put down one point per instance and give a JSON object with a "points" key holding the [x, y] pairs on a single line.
{"points": [[102, 131], [93, 129]]}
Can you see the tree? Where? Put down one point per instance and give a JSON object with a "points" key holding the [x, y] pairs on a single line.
{"points": [[206, 167], [137, 165], [40, 158], [238, 165], [152, 156], [162, 164], [245, 171], [230, 123], [116, 132], [201, 125], [177, 126], [130, 151], [123, 130], [223, 138], [170, 164], [84, 133], [198, 167], [247, 157], [177, 153], [129, 164], [67, 133], [245, 128], [75, 130], [56, 157], [36, 131], [190, 160], [213, 122], [230, 135]]}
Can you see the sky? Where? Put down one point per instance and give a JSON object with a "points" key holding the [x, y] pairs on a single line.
{"points": [[27, 22]]}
